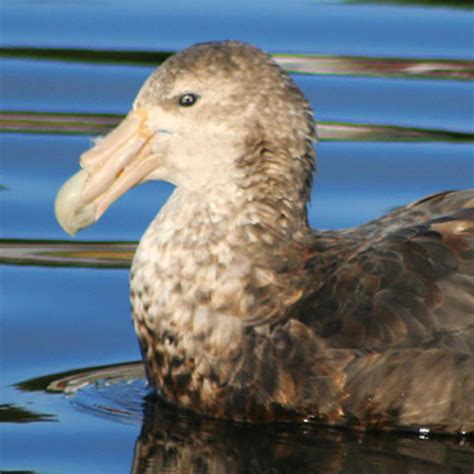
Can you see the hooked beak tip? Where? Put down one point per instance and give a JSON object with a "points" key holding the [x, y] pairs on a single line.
{"points": [[69, 213]]}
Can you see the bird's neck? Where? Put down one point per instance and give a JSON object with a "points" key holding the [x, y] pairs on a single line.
{"points": [[219, 245], [208, 267], [241, 221]]}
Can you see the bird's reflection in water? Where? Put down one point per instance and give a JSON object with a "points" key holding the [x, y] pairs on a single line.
{"points": [[182, 443], [175, 441]]}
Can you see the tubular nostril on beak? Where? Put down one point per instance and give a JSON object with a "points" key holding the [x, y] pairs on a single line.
{"points": [[134, 125]]}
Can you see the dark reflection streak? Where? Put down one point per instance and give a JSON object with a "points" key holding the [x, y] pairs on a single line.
{"points": [[10, 413], [57, 123], [462, 4], [294, 63], [174, 442], [90, 124], [135, 58], [67, 254]]}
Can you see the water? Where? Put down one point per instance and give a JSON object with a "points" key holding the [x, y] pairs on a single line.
{"points": [[391, 85]]}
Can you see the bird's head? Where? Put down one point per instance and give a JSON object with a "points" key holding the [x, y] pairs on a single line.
{"points": [[213, 113]]}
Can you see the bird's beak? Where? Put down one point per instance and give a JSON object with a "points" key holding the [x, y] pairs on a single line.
{"points": [[116, 163]]}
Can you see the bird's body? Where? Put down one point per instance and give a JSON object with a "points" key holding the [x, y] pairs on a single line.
{"points": [[245, 312]]}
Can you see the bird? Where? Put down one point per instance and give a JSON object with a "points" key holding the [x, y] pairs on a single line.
{"points": [[242, 310]]}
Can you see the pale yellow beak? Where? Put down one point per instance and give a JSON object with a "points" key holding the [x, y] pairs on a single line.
{"points": [[115, 164]]}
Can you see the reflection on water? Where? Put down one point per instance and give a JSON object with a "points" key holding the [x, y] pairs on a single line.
{"points": [[293, 63], [170, 444], [57, 123], [467, 4], [70, 254], [10, 413], [96, 124], [179, 442]]}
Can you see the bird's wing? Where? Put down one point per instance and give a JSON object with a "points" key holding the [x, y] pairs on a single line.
{"points": [[405, 284], [401, 303]]}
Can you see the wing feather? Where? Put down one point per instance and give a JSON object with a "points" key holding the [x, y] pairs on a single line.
{"points": [[401, 297]]}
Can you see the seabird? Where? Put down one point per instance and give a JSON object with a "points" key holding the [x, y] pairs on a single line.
{"points": [[242, 310]]}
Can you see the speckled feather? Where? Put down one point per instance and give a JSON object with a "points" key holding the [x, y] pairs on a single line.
{"points": [[243, 311]]}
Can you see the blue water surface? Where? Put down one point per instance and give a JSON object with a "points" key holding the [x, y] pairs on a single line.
{"points": [[286, 25]]}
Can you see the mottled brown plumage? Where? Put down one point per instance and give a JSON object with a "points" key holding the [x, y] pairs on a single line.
{"points": [[241, 309]]}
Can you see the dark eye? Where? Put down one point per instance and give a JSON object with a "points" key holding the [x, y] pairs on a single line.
{"points": [[187, 100]]}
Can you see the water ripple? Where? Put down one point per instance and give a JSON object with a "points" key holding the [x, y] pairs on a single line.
{"points": [[97, 124]]}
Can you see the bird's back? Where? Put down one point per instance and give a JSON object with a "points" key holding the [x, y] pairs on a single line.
{"points": [[399, 297]]}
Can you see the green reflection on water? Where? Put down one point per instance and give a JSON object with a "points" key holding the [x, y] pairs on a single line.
{"points": [[51, 253], [294, 63], [97, 124]]}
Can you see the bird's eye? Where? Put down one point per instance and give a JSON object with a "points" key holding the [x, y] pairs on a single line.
{"points": [[187, 100]]}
